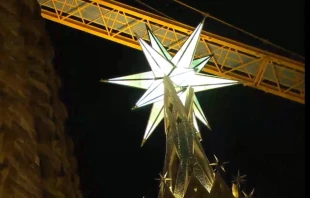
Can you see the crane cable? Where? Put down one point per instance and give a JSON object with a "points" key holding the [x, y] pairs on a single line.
{"points": [[144, 4], [221, 21], [256, 37]]}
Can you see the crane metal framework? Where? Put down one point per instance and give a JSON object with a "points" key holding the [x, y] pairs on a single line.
{"points": [[121, 23]]}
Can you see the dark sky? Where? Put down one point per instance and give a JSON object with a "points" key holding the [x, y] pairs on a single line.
{"points": [[259, 133]]}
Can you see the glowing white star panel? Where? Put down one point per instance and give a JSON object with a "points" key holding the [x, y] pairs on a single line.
{"points": [[182, 70]]}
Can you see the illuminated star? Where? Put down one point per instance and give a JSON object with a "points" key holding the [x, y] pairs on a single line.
{"points": [[239, 179], [182, 70], [248, 195], [218, 165]]}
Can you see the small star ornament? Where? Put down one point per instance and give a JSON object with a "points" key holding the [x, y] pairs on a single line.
{"points": [[218, 165], [239, 179], [163, 179]]}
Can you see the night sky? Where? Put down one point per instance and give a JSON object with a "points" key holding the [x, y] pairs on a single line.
{"points": [[259, 133]]}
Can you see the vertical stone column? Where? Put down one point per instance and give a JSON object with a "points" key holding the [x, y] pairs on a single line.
{"points": [[36, 157]]}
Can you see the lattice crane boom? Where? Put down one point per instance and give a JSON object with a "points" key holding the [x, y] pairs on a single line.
{"points": [[120, 23]]}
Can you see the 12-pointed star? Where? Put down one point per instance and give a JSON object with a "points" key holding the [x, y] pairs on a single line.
{"points": [[182, 70]]}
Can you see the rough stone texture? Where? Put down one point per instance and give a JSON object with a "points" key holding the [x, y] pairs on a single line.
{"points": [[36, 157]]}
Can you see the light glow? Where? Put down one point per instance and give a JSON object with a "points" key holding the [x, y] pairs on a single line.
{"points": [[183, 72]]}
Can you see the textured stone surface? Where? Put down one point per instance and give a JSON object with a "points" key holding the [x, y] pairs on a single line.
{"points": [[36, 157]]}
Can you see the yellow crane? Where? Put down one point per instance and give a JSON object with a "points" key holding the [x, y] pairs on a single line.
{"points": [[121, 23]]}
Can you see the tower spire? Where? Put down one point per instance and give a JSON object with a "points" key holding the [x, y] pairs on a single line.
{"points": [[170, 88], [185, 160]]}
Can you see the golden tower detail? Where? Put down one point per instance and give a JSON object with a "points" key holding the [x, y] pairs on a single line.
{"points": [[170, 88]]}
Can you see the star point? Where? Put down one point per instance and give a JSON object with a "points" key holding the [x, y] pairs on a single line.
{"points": [[142, 143], [104, 80], [135, 107]]}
